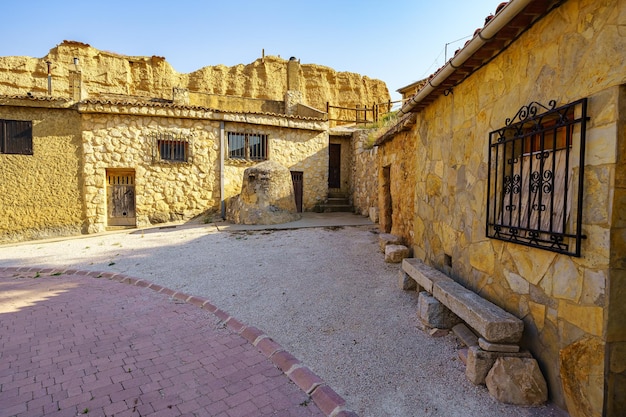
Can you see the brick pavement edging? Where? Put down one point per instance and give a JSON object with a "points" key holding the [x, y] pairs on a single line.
{"points": [[327, 400]]}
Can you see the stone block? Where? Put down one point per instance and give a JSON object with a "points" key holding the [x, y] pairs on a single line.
{"points": [[438, 332], [396, 253], [424, 275], [385, 239], [434, 314], [373, 214], [517, 381], [497, 347], [490, 321], [480, 362], [465, 335], [406, 283]]}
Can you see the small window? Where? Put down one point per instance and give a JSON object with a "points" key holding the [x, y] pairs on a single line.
{"points": [[16, 137], [173, 150], [250, 146], [170, 147]]}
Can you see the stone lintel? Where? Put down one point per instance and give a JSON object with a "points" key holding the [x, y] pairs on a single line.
{"points": [[497, 347]]}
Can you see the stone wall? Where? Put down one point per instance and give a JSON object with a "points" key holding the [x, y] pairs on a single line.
{"points": [[364, 179], [571, 318], [303, 150], [616, 289], [164, 190], [107, 73], [41, 192], [399, 158]]}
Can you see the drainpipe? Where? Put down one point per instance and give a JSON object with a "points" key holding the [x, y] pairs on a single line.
{"points": [[501, 19], [222, 150], [49, 78]]}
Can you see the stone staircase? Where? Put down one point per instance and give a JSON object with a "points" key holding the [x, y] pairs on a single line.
{"points": [[337, 202]]}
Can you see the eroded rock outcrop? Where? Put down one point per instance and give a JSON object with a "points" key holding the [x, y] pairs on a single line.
{"points": [[108, 73]]}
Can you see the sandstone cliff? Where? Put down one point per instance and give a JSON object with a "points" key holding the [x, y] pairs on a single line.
{"points": [[107, 73]]}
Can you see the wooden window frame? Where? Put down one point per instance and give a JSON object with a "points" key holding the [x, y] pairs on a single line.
{"points": [[171, 147], [16, 137], [248, 146]]}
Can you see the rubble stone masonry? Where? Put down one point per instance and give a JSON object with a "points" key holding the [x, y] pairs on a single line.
{"points": [[573, 308]]}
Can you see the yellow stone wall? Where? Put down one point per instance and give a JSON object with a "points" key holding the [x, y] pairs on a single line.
{"points": [[364, 178], [399, 157], [616, 330], [296, 149], [164, 190], [574, 52], [41, 192]]}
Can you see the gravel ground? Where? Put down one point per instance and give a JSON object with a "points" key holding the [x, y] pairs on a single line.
{"points": [[325, 294]]}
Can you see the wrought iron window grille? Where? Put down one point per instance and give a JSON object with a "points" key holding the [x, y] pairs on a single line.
{"points": [[171, 147], [247, 146], [535, 177]]}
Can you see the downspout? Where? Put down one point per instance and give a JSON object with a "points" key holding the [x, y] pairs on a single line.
{"points": [[500, 20], [49, 78], [222, 150]]}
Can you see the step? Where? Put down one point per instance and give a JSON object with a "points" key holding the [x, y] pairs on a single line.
{"points": [[333, 208]]}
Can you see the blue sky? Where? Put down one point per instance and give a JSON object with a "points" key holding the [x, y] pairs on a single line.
{"points": [[398, 41]]}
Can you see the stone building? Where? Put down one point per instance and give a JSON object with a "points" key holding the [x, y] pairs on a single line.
{"points": [[93, 140], [506, 171]]}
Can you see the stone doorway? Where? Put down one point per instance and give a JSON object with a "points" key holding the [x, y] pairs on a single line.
{"points": [[297, 177], [334, 165]]}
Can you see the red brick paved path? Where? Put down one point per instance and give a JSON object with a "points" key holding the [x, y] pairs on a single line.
{"points": [[75, 343]]}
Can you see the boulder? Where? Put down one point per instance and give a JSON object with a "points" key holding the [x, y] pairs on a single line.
{"points": [[517, 381], [385, 239], [267, 196], [396, 253]]}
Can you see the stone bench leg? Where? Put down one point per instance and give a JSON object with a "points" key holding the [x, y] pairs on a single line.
{"points": [[406, 283], [434, 314], [480, 362]]}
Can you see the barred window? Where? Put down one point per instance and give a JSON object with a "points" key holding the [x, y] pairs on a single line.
{"points": [[16, 137], [535, 183], [251, 146], [170, 147]]}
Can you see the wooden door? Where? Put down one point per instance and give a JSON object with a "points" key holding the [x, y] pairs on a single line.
{"points": [[334, 165], [121, 198], [297, 177]]}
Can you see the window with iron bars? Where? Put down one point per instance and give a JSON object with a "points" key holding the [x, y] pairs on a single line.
{"points": [[250, 146], [170, 147], [535, 179], [16, 137]]}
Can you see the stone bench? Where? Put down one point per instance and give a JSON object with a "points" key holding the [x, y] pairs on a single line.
{"points": [[492, 323], [496, 360]]}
